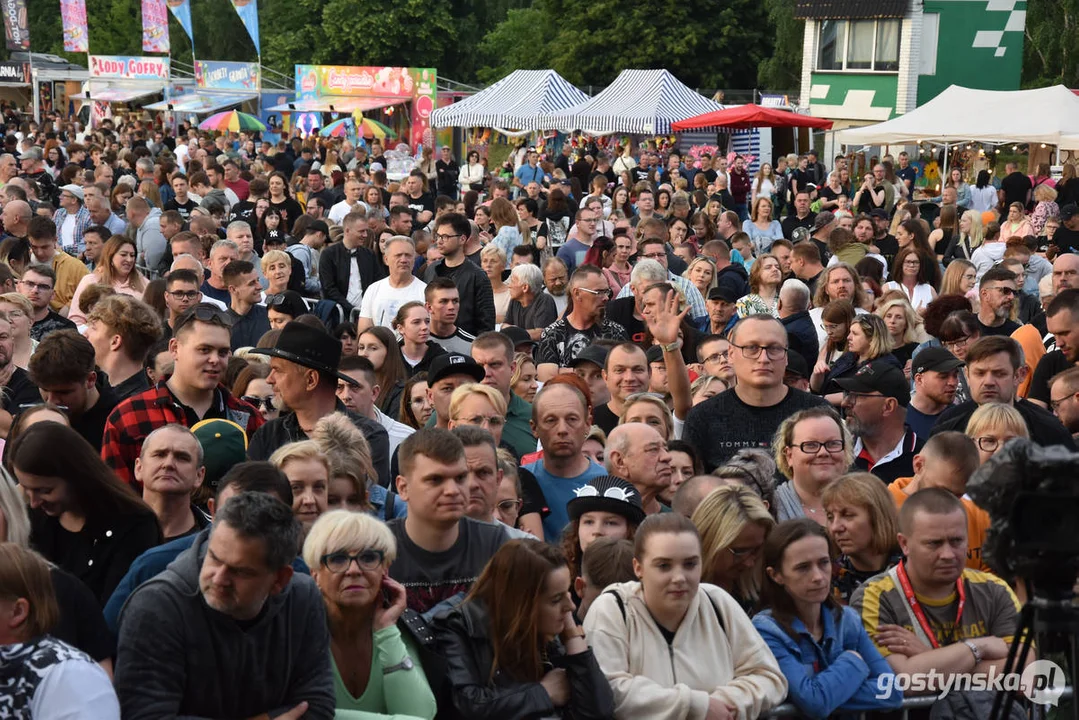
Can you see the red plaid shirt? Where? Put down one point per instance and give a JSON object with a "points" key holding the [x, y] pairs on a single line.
{"points": [[139, 415]]}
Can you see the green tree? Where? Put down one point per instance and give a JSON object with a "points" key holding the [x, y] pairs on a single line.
{"points": [[783, 70], [1050, 56], [511, 45]]}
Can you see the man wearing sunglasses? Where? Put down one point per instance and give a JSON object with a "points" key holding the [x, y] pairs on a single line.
{"points": [[997, 293], [563, 340]]}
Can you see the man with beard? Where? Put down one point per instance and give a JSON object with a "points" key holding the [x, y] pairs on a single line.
{"points": [[565, 338], [555, 280], [997, 293], [18, 390]]}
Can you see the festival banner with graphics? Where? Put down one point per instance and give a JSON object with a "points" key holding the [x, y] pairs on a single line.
{"points": [[155, 26], [15, 72], [123, 67], [181, 9], [76, 34], [248, 10], [415, 86], [216, 75], [16, 24]]}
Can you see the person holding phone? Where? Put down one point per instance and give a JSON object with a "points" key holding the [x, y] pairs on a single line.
{"points": [[376, 667]]}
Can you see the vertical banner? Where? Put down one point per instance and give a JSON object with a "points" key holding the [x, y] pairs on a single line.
{"points": [[76, 35], [155, 26], [181, 9], [16, 24], [248, 10]]}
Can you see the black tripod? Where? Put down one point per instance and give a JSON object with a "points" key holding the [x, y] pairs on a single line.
{"points": [[1053, 618]]}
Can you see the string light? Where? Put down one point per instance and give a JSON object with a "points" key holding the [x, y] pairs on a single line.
{"points": [[1043, 145], [1015, 148]]}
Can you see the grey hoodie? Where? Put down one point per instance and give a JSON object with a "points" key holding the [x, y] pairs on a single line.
{"points": [[150, 243], [178, 658]]}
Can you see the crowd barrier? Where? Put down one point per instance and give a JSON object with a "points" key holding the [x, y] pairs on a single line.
{"points": [[788, 710]]}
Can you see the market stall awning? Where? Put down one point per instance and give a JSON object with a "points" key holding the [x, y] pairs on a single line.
{"points": [[118, 92], [199, 103], [751, 116], [337, 103], [960, 114], [644, 102], [512, 102]]}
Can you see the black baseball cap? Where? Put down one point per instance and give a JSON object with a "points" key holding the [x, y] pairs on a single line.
{"points": [[937, 359], [722, 293], [318, 226], [878, 376], [878, 213], [654, 354], [593, 354], [796, 365], [1069, 211], [454, 364], [517, 336]]}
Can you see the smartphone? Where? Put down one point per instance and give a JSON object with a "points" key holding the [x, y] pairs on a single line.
{"points": [[387, 597]]}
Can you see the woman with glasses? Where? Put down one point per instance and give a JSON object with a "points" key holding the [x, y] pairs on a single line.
{"points": [[822, 648], [116, 269], [376, 662], [868, 339], [733, 523], [957, 333], [415, 407], [251, 387], [862, 522], [913, 274], [994, 424], [479, 405], [960, 278], [812, 448], [19, 312], [379, 345]]}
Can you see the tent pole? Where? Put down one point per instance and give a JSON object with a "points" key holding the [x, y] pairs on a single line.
{"points": [[944, 174]]}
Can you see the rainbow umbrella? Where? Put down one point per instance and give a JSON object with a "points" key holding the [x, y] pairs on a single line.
{"points": [[373, 128], [339, 128], [232, 121]]}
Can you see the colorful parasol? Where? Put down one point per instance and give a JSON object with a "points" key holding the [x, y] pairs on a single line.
{"points": [[232, 121], [345, 127], [373, 128]]}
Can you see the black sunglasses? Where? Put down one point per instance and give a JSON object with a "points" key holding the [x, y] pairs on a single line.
{"points": [[205, 313]]}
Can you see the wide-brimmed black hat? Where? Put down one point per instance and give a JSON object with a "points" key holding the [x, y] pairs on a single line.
{"points": [[310, 347], [607, 493]]}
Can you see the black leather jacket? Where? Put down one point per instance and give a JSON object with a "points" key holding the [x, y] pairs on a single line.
{"points": [[477, 312], [463, 639]]}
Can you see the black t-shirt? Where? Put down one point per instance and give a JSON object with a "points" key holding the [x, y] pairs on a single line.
{"points": [[888, 247], [621, 311], [91, 424], [431, 577], [797, 176], [907, 174], [541, 313], [792, 222], [640, 174], [1015, 187], [1065, 239], [20, 393], [184, 209], [532, 497], [423, 203], [827, 193], [290, 210], [604, 418], [53, 321], [1006, 329], [81, 623], [1050, 364]]}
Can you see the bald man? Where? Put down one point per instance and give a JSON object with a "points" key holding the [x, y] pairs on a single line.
{"points": [[15, 217], [1065, 272]]}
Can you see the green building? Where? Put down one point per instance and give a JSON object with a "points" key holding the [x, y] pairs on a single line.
{"points": [[866, 61]]}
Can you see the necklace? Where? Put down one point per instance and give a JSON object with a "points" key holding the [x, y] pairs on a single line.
{"points": [[809, 509]]}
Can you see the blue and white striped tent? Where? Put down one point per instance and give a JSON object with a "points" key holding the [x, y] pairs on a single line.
{"points": [[643, 102], [513, 102]]}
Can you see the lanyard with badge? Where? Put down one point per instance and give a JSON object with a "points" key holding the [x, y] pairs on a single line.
{"points": [[916, 607]]}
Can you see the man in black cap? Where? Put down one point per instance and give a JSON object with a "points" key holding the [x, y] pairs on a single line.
{"points": [[449, 372], [936, 380], [797, 373], [875, 400], [588, 365], [884, 241], [521, 339], [303, 371], [722, 310], [657, 370], [1066, 238], [823, 224]]}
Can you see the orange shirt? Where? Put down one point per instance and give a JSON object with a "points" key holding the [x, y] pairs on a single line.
{"points": [[977, 523]]}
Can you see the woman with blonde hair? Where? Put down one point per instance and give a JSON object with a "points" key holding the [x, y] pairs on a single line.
{"points": [[376, 666], [353, 482], [1046, 207], [960, 278], [277, 269], [968, 239], [116, 269], [994, 424], [733, 523], [702, 273], [493, 262], [812, 448], [863, 523], [904, 327], [523, 380], [1016, 223], [510, 231], [479, 405], [867, 340], [19, 312], [308, 471], [649, 409]]}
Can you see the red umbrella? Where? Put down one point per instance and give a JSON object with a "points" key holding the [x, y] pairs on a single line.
{"points": [[751, 116]]}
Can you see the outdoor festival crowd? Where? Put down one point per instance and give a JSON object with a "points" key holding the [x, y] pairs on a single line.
{"points": [[606, 433]]}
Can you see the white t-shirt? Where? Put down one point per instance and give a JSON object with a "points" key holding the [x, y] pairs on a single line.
{"points": [[75, 690], [339, 210], [67, 232], [381, 302]]}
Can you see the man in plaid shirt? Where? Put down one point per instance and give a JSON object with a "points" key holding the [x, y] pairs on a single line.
{"points": [[72, 220], [200, 346]]}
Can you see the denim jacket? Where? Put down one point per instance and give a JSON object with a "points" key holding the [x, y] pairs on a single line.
{"points": [[824, 677]]}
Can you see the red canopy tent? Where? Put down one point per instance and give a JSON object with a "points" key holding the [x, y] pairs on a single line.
{"points": [[751, 116]]}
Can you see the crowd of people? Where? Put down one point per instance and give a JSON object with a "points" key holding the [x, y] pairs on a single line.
{"points": [[605, 434]]}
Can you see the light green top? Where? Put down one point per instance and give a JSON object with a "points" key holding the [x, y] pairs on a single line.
{"points": [[401, 695]]}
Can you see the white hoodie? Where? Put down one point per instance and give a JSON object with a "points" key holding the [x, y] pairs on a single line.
{"points": [[654, 680]]}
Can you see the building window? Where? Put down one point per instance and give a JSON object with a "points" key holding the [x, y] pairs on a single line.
{"points": [[930, 34], [871, 45]]}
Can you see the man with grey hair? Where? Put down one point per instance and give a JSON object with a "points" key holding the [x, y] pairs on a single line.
{"points": [[221, 254], [653, 247], [235, 584], [170, 468], [556, 283], [101, 214], [637, 453], [383, 298], [626, 309], [150, 244], [239, 232], [9, 168], [793, 309], [529, 308]]}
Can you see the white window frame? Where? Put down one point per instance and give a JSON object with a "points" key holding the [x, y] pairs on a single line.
{"points": [[846, 48]]}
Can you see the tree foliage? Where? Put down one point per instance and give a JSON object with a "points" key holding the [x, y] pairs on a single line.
{"points": [[783, 70], [1050, 56]]}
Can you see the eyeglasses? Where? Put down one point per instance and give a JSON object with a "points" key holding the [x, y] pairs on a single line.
{"points": [[1003, 290], [812, 447], [988, 443], [752, 352], [959, 342], [605, 292], [183, 294], [494, 421], [340, 561], [655, 255], [39, 287], [439, 236], [508, 506], [850, 398], [1054, 404], [716, 357], [742, 553], [261, 402]]}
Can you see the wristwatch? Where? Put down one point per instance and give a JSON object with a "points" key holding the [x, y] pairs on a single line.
{"points": [[673, 347], [975, 650], [578, 634], [405, 664]]}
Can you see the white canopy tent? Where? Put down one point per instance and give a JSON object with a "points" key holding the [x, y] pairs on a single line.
{"points": [[960, 114], [643, 102], [513, 102]]}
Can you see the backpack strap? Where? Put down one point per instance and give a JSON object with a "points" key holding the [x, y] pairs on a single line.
{"points": [[387, 509], [618, 599], [719, 615]]}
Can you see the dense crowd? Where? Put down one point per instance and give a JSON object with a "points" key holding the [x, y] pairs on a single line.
{"points": [[604, 433]]}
